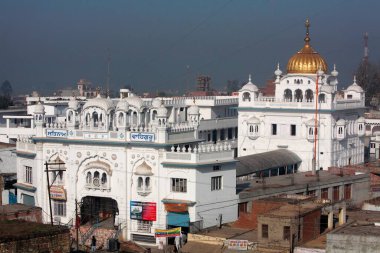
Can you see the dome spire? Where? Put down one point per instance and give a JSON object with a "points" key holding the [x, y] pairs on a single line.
{"points": [[249, 78], [307, 25]]}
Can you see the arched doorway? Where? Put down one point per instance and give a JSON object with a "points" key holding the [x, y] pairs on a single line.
{"points": [[98, 209]]}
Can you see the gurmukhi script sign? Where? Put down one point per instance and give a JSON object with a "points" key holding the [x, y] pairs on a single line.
{"points": [[56, 133], [146, 137]]}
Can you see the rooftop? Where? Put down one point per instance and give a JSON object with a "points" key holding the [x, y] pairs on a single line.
{"points": [[293, 210], [268, 160], [359, 228], [301, 181]]}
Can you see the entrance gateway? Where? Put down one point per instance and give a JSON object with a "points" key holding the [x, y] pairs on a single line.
{"points": [[98, 210]]}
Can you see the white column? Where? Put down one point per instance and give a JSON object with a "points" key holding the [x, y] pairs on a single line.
{"points": [[330, 222]]}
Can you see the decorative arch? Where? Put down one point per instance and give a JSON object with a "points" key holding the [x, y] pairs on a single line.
{"points": [[247, 96], [288, 96], [309, 95], [298, 96]]}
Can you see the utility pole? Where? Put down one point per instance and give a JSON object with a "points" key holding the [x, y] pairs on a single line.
{"points": [[59, 162], [76, 223], [48, 186]]}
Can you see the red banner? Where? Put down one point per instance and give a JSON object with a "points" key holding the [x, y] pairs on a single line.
{"points": [[143, 211]]}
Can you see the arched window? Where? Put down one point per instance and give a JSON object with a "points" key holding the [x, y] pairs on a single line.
{"points": [[95, 118], [121, 119], [298, 95], [311, 131], [322, 98], [95, 181], [104, 178], [309, 95], [251, 129], [134, 118], [154, 114], [360, 127], [147, 183], [288, 95], [140, 183], [70, 116], [246, 96], [256, 128], [340, 130], [88, 178]]}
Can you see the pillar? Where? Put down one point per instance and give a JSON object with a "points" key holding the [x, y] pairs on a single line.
{"points": [[330, 221], [342, 216]]}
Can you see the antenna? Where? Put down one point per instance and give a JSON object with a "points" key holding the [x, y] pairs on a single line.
{"points": [[365, 57], [108, 73]]}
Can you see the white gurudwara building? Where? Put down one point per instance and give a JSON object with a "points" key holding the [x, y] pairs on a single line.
{"points": [[144, 164], [294, 120]]}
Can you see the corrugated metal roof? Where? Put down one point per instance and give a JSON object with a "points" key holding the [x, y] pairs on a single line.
{"points": [[273, 159]]}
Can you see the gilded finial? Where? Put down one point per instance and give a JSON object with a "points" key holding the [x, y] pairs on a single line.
{"points": [[307, 25]]}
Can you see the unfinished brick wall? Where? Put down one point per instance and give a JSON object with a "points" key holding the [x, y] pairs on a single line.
{"points": [[249, 220], [311, 225], [33, 214], [56, 243]]}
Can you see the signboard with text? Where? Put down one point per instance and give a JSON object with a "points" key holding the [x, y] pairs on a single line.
{"points": [[145, 137], [238, 244], [57, 193], [143, 211], [56, 133]]}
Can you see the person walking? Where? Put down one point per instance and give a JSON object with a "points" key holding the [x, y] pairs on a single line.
{"points": [[93, 244], [177, 241]]}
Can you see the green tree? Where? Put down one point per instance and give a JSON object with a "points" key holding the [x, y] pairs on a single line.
{"points": [[368, 77], [6, 89]]}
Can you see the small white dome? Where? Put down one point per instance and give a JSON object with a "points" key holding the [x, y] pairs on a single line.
{"points": [[144, 170], [341, 122], [122, 105], [355, 87], [156, 102], [249, 86], [278, 71], [162, 111], [73, 103], [104, 103], [135, 101], [361, 120], [253, 120], [334, 72], [39, 108]]}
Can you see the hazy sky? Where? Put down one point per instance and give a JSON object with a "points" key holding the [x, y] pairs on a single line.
{"points": [[164, 45]]}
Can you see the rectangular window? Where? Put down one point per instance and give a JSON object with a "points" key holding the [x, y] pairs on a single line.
{"points": [[336, 193], [179, 185], [264, 231], [324, 193], [347, 191], [216, 183], [293, 130], [243, 208], [274, 129], [311, 193], [59, 208], [28, 175], [286, 233], [349, 96]]}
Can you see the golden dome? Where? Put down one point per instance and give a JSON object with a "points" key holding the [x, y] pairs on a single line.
{"points": [[306, 60]]}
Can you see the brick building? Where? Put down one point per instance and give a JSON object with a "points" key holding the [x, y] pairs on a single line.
{"points": [[22, 236], [21, 212]]}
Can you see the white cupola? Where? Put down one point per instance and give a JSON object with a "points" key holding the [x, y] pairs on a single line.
{"points": [[249, 92]]}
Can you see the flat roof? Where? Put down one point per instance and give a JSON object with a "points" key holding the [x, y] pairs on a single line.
{"points": [[300, 181], [358, 228], [292, 210], [268, 160]]}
